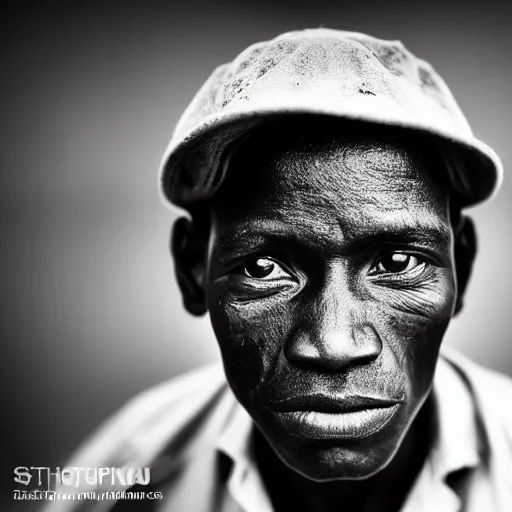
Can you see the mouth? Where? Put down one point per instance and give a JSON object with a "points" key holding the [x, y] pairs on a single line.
{"points": [[322, 416]]}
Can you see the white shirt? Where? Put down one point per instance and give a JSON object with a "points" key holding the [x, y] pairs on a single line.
{"points": [[197, 439]]}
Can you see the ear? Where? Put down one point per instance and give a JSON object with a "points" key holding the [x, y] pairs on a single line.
{"points": [[465, 247], [189, 251]]}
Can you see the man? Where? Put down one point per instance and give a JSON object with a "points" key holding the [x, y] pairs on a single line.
{"points": [[325, 174]]}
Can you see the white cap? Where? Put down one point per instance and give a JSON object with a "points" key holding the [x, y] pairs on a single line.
{"points": [[324, 72]]}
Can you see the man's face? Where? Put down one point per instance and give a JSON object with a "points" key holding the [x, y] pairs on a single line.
{"points": [[330, 284]]}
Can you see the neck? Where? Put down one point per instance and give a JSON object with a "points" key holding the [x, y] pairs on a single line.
{"points": [[291, 491]]}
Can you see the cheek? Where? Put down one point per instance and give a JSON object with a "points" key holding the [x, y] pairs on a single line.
{"points": [[251, 335], [413, 342], [414, 319], [432, 298]]}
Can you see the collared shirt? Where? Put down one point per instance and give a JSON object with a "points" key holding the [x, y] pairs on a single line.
{"points": [[197, 439]]}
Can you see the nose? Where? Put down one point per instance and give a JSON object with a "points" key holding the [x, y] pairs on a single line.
{"points": [[333, 333]]}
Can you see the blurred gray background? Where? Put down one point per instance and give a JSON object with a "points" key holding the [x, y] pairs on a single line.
{"points": [[90, 93]]}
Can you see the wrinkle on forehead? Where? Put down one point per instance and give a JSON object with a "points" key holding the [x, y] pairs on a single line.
{"points": [[339, 183], [379, 175]]}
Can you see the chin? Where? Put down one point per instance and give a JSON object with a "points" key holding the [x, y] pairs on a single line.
{"points": [[322, 462]]}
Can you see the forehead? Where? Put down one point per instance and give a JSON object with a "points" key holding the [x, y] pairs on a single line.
{"points": [[339, 175]]}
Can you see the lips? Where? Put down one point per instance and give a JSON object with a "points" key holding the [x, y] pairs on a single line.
{"points": [[327, 403], [320, 416]]}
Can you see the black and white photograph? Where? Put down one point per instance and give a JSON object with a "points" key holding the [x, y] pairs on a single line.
{"points": [[255, 256]]}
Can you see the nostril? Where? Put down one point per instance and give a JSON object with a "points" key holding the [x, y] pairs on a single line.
{"points": [[369, 340], [334, 349]]}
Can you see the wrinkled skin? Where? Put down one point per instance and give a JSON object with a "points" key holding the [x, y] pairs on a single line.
{"points": [[330, 270]]}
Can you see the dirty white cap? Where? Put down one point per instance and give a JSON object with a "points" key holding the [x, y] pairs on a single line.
{"points": [[324, 72]]}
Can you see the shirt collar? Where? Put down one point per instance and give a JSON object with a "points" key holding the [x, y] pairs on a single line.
{"points": [[235, 439], [245, 483], [456, 444]]}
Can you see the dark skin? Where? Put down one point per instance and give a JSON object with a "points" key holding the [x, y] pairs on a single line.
{"points": [[331, 266]]}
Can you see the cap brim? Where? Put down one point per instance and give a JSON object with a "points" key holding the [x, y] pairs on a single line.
{"points": [[189, 170]]}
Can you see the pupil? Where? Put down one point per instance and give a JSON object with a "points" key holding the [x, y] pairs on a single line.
{"points": [[260, 268], [396, 262]]}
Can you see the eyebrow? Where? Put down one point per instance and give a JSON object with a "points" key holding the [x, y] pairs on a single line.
{"points": [[268, 234]]}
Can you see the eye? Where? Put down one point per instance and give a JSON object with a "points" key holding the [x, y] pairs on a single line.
{"points": [[395, 262], [264, 269]]}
